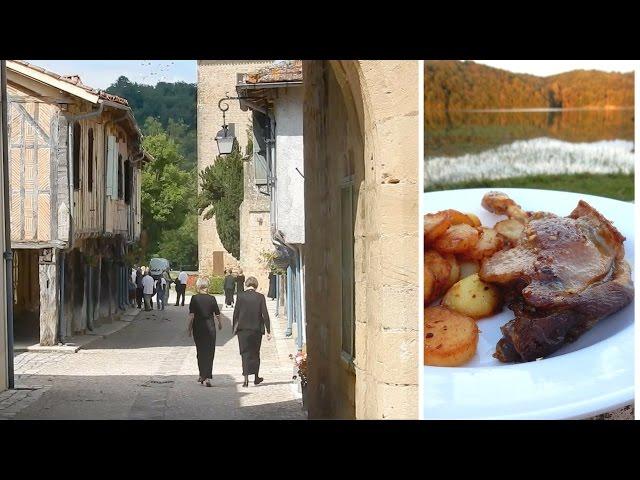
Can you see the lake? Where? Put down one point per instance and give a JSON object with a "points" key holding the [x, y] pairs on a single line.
{"points": [[495, 144]]}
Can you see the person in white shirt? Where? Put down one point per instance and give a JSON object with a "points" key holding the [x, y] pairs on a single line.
{"points": [[147, 290], [181, 286]]}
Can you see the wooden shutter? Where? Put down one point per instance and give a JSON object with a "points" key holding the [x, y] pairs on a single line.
{"points": [[347, 263], [260, 133], [112, 171]]}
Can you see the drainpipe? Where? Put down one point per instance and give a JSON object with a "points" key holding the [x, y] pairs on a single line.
{"points": [[8, 253], [298, 300]]}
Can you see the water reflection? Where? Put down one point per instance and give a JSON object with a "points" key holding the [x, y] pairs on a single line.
{"points": [[479, 145]]}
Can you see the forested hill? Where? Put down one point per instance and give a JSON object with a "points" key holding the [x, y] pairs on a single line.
{"points": [[172, 104], [461, 85]]}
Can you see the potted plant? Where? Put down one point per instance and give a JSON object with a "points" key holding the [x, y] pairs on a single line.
{"points": [[301, 373]]}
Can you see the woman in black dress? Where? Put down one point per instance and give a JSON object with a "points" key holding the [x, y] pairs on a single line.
{"points": [[239, 282], [203, 309], [250, 320], [229, 287]]}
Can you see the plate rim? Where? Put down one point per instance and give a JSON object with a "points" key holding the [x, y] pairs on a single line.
{"points": [[590, 405]]}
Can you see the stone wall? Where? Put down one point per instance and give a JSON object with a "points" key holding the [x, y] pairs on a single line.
{"points": [[361, 119], [216, 78]]}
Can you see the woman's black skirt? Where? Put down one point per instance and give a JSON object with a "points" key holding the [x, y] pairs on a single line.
{"points": [[249, 342], [205, 340], [228, 296]]}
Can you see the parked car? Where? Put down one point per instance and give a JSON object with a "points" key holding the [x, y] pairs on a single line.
{"points": [[157, 266]]}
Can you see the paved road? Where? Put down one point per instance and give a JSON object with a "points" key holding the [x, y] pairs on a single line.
{"points": [[148, 370]]}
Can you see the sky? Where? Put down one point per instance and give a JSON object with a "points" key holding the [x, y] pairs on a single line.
{"points": [[102, 73], [543, 68]]}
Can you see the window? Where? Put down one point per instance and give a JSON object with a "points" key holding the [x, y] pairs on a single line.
{"points": [[260, 135], [90, 159], [76, 155], [348, 290], [120, 178], [127, 181]]}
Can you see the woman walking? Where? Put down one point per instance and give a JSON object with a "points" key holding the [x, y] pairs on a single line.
{"points": [[250, 320], [203, 309], [240, 282], [229, 286]]}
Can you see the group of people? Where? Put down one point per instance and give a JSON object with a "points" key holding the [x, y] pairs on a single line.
{"points": [[143, 287], [250, 322], [233, 283]]}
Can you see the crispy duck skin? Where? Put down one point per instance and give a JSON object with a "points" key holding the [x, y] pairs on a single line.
{"points": [[564, 275]]}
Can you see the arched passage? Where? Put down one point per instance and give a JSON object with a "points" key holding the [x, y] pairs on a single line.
{"points": [[360, 135]]}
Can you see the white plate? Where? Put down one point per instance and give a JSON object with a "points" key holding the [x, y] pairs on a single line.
{"points": [[590, 376]]}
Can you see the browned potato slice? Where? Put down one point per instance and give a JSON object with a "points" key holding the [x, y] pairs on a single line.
{"points": [[450, 339], [441, 270], [454, 276], [473, 297], [435, 224], [511, 229], [488, 244], [429, 285], [457, 218], [457, 239], [468, 267], [474, 219]]}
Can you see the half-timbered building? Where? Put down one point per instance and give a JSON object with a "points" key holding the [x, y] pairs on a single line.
{"points": [[76, 161]]}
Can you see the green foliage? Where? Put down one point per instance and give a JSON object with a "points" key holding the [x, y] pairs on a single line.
{"points": [[170, 106], [267, 260], [180, 245], [216, 285], [169, 201], [222, 190], [618, 186], [169, 184], [454, 85]]}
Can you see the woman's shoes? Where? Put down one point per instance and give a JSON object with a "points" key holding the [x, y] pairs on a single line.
{"points": [[200, 380], [258, 380], [208, 383], [245, 384]]}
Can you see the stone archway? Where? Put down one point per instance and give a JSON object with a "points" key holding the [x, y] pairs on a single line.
{"points": [[361, 121]]}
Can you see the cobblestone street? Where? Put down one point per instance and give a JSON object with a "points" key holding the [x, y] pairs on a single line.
{"points": [[148, 370]]}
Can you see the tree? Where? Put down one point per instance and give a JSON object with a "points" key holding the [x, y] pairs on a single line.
{"points": [[222, 190], [180, 246], [168, 195]]}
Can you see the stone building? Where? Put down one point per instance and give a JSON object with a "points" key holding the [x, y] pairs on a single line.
{"points": [[361, 237], [217, 79], [76, 163], [274, 94]]}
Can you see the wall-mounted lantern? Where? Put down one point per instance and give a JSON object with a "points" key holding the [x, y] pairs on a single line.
{"points": [[225, 137]]}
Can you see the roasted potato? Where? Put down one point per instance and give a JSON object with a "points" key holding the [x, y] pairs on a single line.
{"points": [[468, 267], [429, 286], [474, 219], [454, 274], [473, 297], [488, 244], [458, 238], [450, 339], [441, 269], [457, 218], [511, 229], [435, 224]]}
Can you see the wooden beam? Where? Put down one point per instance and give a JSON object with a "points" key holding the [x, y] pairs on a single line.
{"points": [[49, 304]]}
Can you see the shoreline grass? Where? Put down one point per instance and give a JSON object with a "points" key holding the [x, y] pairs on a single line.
{"points": [[619, 186]]}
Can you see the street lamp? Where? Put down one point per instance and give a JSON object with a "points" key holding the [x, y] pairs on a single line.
{"points": [[225, 137]]}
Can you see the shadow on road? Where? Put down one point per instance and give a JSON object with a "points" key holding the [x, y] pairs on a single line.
{"points": [[130, 397]]}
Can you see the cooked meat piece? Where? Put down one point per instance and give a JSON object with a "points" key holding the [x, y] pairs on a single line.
{"points": [[564, 275]]}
